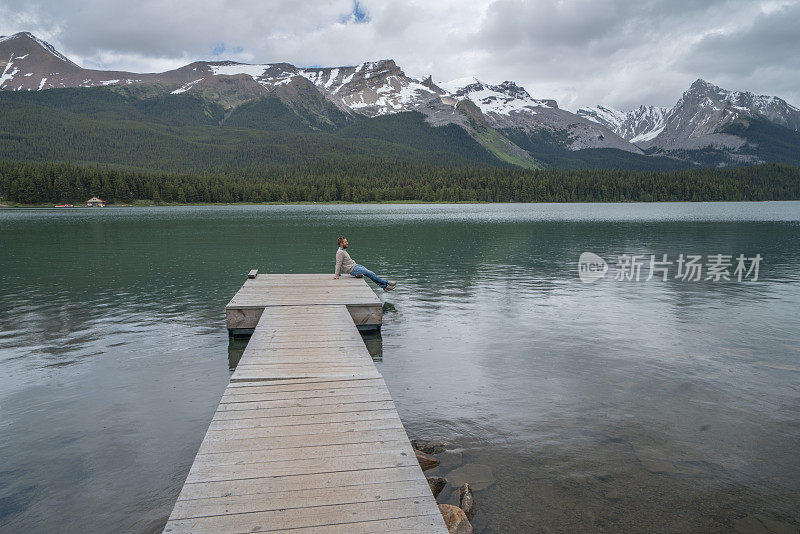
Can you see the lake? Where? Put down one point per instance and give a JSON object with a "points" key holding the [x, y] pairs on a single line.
{"points": [[617, 405]]}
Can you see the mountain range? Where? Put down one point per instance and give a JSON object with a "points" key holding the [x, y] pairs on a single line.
{"points": [[372, 106], [706, 120]]}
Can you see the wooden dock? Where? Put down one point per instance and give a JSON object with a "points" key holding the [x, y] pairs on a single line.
{"points": [[306, 437], [279, 290]]}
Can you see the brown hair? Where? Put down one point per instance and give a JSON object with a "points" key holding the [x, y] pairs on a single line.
{"points": [[339, 240]]}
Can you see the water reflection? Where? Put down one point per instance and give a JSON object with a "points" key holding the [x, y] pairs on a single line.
{"points": [[236, 346], [374, 343]]}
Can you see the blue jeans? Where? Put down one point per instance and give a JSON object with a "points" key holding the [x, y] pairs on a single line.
{"points": [[360, 269]]}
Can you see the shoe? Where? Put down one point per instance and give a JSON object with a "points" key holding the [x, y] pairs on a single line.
{"points": [[390, 286]]}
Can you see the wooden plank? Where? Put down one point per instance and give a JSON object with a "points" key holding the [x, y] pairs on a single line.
{"points": [[236, 504], [300, 385], [303, 466], [345, 352], [315, 382], [304, 410], [262, 396], [306, 369], [278, 297], [271, 421], [302, 430], [259, 486], [299, 453], [404, 525], [305, 402], [284, 442], [304, 517], [255, 375], [327, 360], [316, 330], [330, 344], [314, 333], [319, 363]]}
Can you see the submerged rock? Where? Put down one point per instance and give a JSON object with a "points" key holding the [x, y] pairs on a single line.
{"points": [[426, 462], [455, 519], [466, 501], [437, 484], [451, 459], [478, 476], [429, 446]]}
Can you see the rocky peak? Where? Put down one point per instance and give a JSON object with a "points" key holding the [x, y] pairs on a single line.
{"points": [[25, 42], [720, 107], [387, 66], [513, 90], [428, 82], [702, 86]]}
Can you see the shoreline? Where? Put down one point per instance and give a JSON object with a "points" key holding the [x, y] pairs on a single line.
{"points": [[14, 205]]}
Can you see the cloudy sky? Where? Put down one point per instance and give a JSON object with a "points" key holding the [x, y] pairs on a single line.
{"points": [[580, 52]]}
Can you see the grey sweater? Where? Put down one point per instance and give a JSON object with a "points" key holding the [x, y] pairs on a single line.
{"points": [[343, 262]]}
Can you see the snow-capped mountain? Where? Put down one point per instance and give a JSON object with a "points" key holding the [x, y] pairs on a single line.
{"points": [[704, 112], [701, 119], [372, 88], [637, 126], [509, 106]]}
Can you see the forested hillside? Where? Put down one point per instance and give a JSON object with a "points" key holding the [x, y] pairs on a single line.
{"points": [[393, 180], [127, 127], [143, 127]]}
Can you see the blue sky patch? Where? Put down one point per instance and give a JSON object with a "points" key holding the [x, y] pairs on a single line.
{"points": [[358, 15]]}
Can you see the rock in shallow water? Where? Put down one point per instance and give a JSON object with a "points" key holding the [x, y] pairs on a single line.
{"points": [[466, 501], [429, 446], [437, 484], [478, 476], [455, 519], [426, 462]]}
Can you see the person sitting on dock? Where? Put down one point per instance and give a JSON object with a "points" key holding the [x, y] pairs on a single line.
{"points": [[345, 263]]}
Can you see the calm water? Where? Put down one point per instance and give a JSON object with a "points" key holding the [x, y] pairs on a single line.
{"points": [[614, 406]]}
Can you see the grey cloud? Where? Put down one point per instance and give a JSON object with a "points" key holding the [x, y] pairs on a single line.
{"points": [[581, 52], [615, 52], [763, 56]]}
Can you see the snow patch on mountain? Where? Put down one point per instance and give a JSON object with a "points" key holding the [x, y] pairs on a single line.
{"points": [[638, 125], [231, 69], [9, 71], [185, 87], [502, 99], [609, 117]]}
